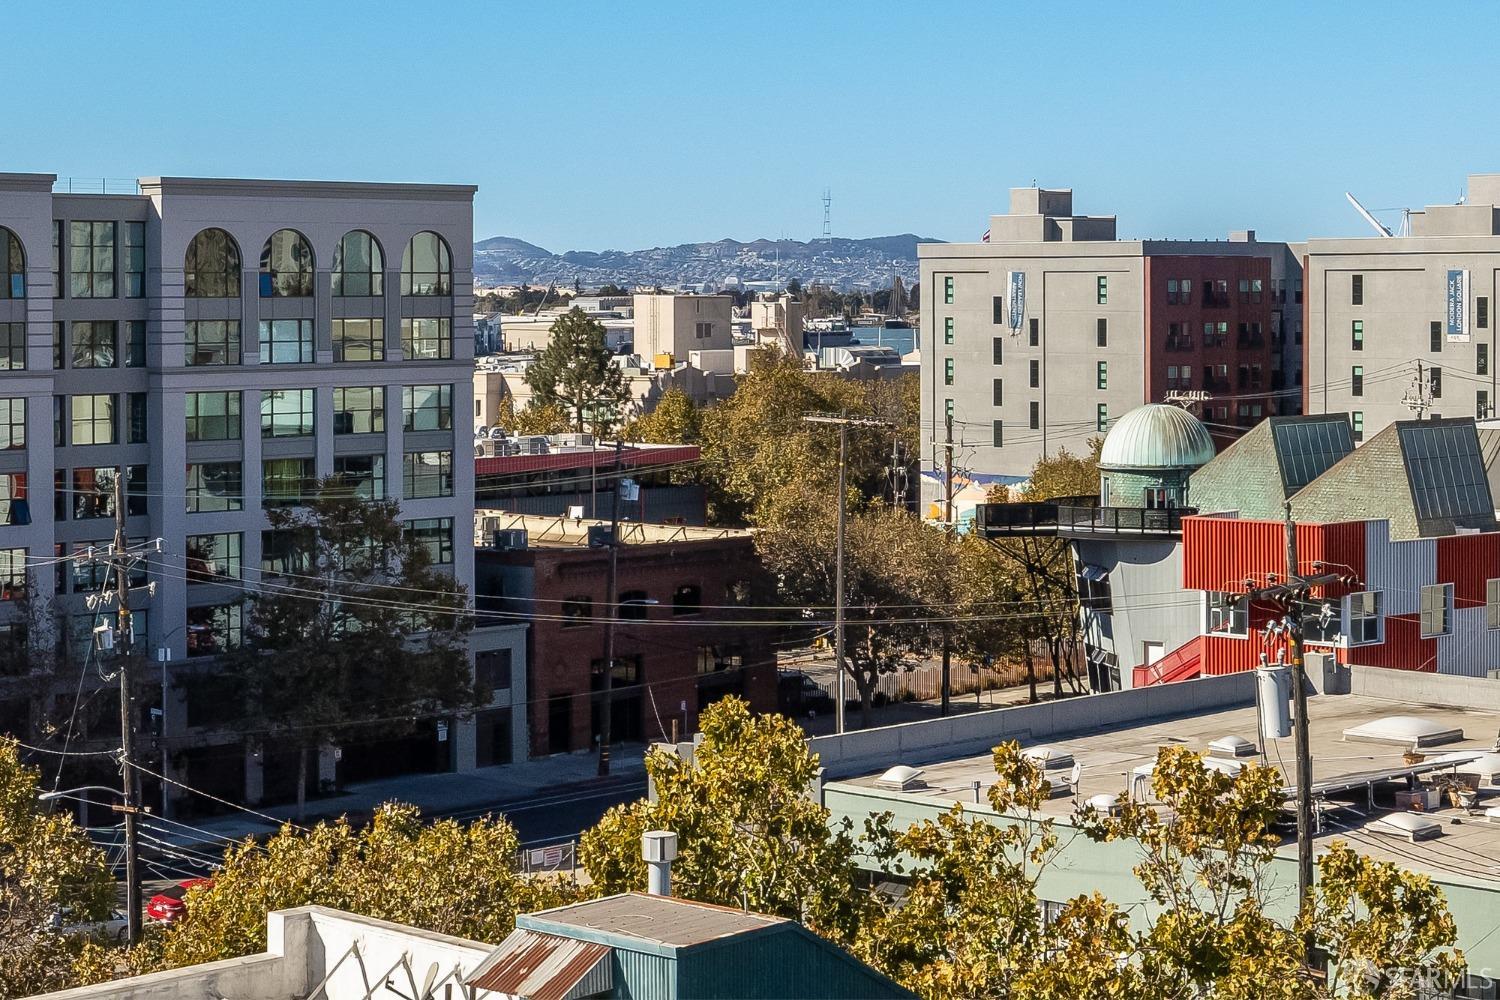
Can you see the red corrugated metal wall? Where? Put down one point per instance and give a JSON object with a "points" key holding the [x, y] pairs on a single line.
{"points": [[1220, 553], [1403, 649], [1467, 561]]}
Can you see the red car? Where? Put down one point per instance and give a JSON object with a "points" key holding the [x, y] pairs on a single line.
{"points": [[167, 906]]}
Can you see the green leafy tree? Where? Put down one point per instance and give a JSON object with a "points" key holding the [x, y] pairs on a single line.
{"points": [[748, 833], [674, 420], [48, 869], [342, 645], [577, 373]]}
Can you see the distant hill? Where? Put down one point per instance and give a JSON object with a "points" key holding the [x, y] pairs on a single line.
{"points": [[843, 263]]}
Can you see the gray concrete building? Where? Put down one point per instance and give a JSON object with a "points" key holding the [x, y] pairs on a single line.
{"points": [[229, 342], [680, 324], [1037, 339], [1378, 307]]}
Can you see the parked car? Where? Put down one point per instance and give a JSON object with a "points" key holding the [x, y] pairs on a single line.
{"points": [[801, 695], [113, 926], [168, 906]]}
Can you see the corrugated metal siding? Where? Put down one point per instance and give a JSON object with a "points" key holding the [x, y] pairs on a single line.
{"points": [[1403, 649], [1222, 553], [790, 964], [1225, 655], [1472, 650], [1467, 561], [1397, 569], [639, 976]]}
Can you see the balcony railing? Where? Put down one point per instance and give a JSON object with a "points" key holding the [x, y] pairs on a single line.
{"points": [[1000, 519]]}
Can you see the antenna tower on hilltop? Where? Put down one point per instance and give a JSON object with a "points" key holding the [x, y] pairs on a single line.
{"points": [[827, 214]]}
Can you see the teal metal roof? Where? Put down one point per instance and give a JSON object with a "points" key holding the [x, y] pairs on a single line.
{"points": [[1156, 436]]}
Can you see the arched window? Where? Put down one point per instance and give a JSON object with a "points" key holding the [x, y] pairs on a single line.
{"points": [[426, 267], [211, 269], [286, 266], [358, 265], [12, 266]]}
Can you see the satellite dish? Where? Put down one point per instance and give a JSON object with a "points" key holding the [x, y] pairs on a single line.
{"points": [[426, 991]]}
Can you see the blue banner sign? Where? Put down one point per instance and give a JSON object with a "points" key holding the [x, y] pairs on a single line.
{"points": [[1017, 300], [1458, 305]]}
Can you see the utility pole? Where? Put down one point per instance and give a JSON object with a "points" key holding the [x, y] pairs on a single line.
{"points": [[948, 527], [1418, 398], [611, 600], [844, 422], [124, 627], [1291, 593]]}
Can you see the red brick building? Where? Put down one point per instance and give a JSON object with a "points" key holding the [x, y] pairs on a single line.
{"points": [[680, 643]]}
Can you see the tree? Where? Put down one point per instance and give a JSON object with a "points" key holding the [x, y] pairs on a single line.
{"points": [[343, 644], [1065, 474], [534, 418], [674, 420], [48, 868], [577, 373], [748, 833]]}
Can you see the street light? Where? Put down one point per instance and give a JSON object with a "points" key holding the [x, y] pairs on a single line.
{"points": [[66, 792]]}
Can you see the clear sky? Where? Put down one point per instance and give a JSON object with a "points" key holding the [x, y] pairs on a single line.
{"points": [[634, 124]]}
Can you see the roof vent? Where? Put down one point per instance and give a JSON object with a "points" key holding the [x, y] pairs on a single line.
{"points": [[1404, 731], [901, 778], [1409, 825], [1229, 767], [1233, 746], [1103, 802], [1049, 758]]}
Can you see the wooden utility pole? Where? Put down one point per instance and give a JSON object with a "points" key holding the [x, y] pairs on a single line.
{"points": [[946, 707], [611, 599], [844, 422], [128, 776]]}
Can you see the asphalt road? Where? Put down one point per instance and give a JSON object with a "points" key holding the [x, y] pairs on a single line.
{"points": [[559, 815]]}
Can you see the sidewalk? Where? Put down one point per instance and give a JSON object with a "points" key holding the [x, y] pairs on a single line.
{"points": [[558, 780]]}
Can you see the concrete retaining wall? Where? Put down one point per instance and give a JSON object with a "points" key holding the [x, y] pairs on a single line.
{"points": [[867, 750], [1418, 688]]}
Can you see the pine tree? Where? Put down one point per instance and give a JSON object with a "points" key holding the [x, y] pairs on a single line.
{"points": [[577, 373]]}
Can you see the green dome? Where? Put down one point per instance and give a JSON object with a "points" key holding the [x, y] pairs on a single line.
{"points": [[1156, 436]]}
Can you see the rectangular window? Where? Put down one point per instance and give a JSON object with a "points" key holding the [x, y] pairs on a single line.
{"points": [[1101, 289], [359, 340], [1481, 359], [92, 260], [1101, 418], [1364, 617], [12, 423], [435, 536], [1101, 375], [1101, 332], [94, 419], [284, 552], [947, 371], [1435, 601], [1357, 290], [15, 507], [287, 482], [948, 329], [137, 490], [359, 410], [363, 475], [1257, 290], [999, 307], [1297, 291], [57, 258], [1357, 332], [999, 393], [94, 344], [427, 474], [1244, 291], [1227, 614], [137, 427], [1435, 381], [59, 338], [214, 629], [212, 342], [1435, 336], [998, 350], [1034, 372], [1036, 415], [1172, 291], [1481, 404], [213, 416], [1482, 312], [135, 343], [135, 260], [426, 339], [94, 492], [430, 407], [1492, 604], [999, 432], [703, 331], [1036, 332], [948, 290], [215, 486], [577, 611], [1357, 380], [1357, 419], [948, 408], [214, 558], [286, 413], [286, 342], [59, 422], [12, 346]]}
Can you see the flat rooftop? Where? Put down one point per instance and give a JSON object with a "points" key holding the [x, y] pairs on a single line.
{"points": [[552, 531], [1468, 848], [664, 920]]}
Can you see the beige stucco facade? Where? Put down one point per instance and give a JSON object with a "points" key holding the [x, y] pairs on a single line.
{"points": [[678, 324]]}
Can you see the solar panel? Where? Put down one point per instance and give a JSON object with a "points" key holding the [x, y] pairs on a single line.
{"points": [[1445, 470], [1305, 449]]}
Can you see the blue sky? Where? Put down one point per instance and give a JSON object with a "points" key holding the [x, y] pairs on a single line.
{"points": [[624, 125]]}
